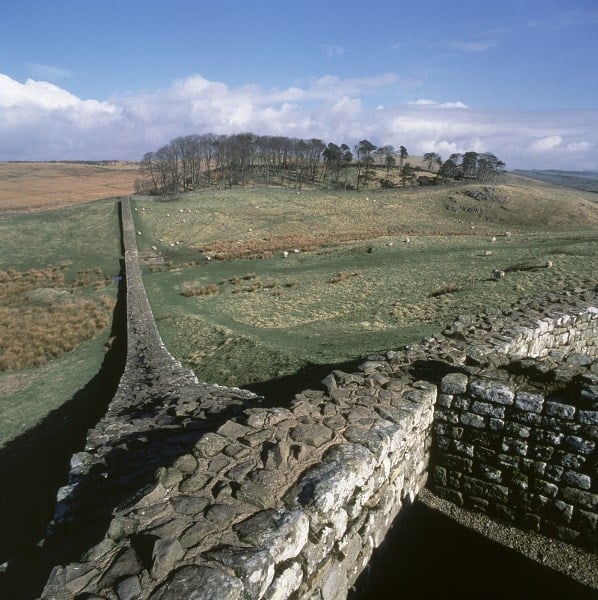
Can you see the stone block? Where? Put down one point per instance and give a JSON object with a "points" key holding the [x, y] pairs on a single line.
{"points": [[514, 446], [517, 430], [581, 499], [186, 581], [492, 391], [486, 490], [254, 567], [560, 410], [579, 480], [588, 417], [579, 444], [454, 383], [284, 533], [529, 402], [286, 583], [473, 420], [488, 409]]}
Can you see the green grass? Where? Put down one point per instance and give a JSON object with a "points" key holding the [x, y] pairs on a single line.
{"points": [[80, 242], [344, 300]]}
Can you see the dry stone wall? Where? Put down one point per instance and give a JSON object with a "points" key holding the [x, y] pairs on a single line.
{"points": [[199, 491]]}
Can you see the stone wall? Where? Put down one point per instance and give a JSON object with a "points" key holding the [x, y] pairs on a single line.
{"points": [[186, 489], [522, 453]]}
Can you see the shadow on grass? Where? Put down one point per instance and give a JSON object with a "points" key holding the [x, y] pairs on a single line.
{"points": [[281, 391], [35, 464], [428, 555]]}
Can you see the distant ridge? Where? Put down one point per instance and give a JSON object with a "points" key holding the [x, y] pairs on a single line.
{"points": [[579, 180]]}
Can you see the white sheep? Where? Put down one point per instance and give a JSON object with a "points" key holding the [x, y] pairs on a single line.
{"points": [[285, 254], [493, 239], [296, 250], [407, 240], [548, 264], [488, 253]]}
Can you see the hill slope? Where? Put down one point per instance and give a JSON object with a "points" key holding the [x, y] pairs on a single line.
{"points": [[28, 186]]}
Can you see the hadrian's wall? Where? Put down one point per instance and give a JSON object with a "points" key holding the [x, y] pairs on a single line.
{"points": [[197, 490]]}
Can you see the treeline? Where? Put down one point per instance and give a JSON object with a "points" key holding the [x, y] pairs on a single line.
{"points": [[204, 160]]}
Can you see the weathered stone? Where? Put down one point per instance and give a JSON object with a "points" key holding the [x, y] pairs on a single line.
{"points": [[454, 383], [124, 565], [199, 583], [529, 402], [328, 486], [128, 589], [165, 554], [210, 444], [492, 391], [311, 434], [557, 409], [286, 583], [283, 532], [255, 568], [185, 464]]}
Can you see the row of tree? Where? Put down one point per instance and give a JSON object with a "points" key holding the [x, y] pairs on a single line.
{"points": [[199, 160]]}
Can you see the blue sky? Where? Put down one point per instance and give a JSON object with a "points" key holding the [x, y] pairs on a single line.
{"points": [[94, 80]]}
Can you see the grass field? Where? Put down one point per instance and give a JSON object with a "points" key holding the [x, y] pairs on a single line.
{"points": [[28, 186], [267, 287], [355, 286], [57, 293]]}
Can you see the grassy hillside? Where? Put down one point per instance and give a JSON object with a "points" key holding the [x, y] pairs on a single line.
{"points": [[355, 286], [580, 180], [27, 186]]}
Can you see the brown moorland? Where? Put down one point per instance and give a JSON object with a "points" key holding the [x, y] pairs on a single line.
{"points": [[33, 186]]}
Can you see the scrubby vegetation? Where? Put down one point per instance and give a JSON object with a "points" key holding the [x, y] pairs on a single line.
{"points": [[42, 316]]}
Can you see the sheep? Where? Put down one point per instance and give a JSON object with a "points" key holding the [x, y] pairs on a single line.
{"points": [[498, 274], [407, 240], [296, 250], [493, 239], [488, 253], [548, 264], [285, 254], [139, 233]]}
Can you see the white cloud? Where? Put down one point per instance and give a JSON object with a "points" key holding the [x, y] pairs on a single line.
{"points": [[42, 121], [425, 102]]}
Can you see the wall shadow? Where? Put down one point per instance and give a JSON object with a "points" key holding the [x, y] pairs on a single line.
{"points": [[36, 463], [428, 555], [281, 391]]}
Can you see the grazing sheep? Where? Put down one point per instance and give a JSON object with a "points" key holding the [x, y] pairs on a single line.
{"points": [[285, 254], [407, 240], [548, 264], [488, 253], [498, 274], [296, 250], [493, 239], [507, 234], [139, 233], [155, 248]]}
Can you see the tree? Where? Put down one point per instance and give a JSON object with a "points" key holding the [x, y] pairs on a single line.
{"points": [[431, 158], [448, 169], [363, 149], [148, 168], [403, 154], [332, 160]]}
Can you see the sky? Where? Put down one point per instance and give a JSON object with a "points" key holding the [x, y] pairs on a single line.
{"points": [[113, 79]]}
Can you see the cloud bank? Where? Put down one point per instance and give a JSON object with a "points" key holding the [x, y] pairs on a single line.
{"points": [[43, 121]]}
